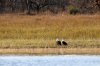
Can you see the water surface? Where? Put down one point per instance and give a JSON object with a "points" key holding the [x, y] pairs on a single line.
{"points": [[61, 60]]}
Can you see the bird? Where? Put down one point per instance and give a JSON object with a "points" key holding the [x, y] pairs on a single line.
{"points": [[63, 42], [58, 42]]}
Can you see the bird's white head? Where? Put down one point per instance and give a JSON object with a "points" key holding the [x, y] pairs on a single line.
{"points": [[57, 39], [62, 39]]}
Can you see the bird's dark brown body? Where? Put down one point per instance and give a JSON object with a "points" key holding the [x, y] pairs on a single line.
{"points": [[58, 42], [64, 43]]}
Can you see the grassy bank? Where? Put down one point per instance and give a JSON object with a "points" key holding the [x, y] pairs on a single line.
{"points": [[50, 27], [52, 51], [20, 31], [40, 31]]}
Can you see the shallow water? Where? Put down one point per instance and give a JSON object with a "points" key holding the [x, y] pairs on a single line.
{"points": [[62, 60]]}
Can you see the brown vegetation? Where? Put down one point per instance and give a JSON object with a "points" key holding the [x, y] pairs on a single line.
{"points": [[57, 51], [21, 34]]}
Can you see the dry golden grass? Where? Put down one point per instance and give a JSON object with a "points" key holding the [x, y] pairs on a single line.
{"points": [[22, 31], [42, 51]]}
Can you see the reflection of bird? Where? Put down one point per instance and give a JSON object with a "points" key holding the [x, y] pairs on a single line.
{"points": [[63, 42], [58, 42]]}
